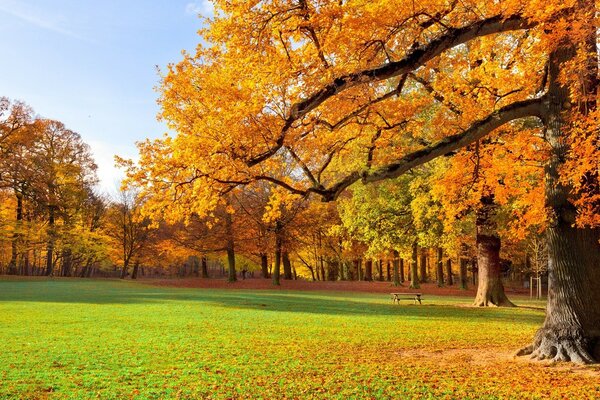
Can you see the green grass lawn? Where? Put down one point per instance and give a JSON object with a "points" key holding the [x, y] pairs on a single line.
{"points": [[112, 340]]}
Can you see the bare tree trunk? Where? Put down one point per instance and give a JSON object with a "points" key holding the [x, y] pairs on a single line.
{"points": [[50, 244], [204, 267], [423, 266], [490, 290], [414, 278], [571, 331], [231, 274], [463, 274], [402, 270], [396, 268], [277, 267], [440, 267], [12, 265], [449, 280], [264, 265], [368, 270], [287, 266], [136, 267], [124, 270]]}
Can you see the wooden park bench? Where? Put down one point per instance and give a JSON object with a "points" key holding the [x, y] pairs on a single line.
{"points": [[411, 296]]}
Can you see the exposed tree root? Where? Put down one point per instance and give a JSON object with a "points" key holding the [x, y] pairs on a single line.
{"points": [[548, 346], [492, 299]]}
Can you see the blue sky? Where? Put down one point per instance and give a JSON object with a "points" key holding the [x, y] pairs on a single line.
{"points": [[92, 65]]}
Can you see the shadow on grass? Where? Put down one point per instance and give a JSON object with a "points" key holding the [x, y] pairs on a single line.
{"points": [[119, 292]]}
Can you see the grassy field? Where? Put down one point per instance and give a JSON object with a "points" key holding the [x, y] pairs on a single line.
{"points": [[113, 340]]}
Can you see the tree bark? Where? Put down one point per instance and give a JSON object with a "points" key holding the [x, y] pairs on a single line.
{"points": [[401, 270], [277, 267], [264, 265], [287, 266], [231, 274], [12, 265], [368, 270], [50, 244], [423, 264], [414, 278], [397, 268], [125, 271], [388, 275], [204, 267], [440, 267], [449, 280], [571, 330], [136, 268], [463, 274], [380, 270], [490, 290]]}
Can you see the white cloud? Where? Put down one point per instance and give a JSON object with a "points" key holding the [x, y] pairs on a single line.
{"points": [[37, 17], [202, 7], [109, 175]]}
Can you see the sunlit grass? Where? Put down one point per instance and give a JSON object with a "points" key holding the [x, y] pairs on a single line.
{"points": [[111, 339]]}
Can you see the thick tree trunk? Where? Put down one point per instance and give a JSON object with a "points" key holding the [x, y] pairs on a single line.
{"points": [[12, 265], [423, 277], [332, 270], [136, 268], [204, 267], [231, 274], [287, 266], [396, 268], [414, 278], [402, 270], [388, 275], [490, 290], [264, 265], [380, 270], [571, 331], [124, 270], [368, 270], [449, 280], [50, 244], [463, 274], [277, 267], [440, 267]]}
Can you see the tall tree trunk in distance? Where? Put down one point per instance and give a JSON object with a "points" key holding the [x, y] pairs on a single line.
{"points": [[125, 271], [414, 278], [396, 268], [231, 274], [264, 265], [401, 270], [440, 267], [571, 330], [380, 270], [50, 244], [423, 266], [332, 270], [368, 270], [490, 290], [12, 265], [463, 274], [136, 267], [195, 266], [322, 266], [204, 267], [388, 275], [277, 267], [287, 266], [449, 280]]}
